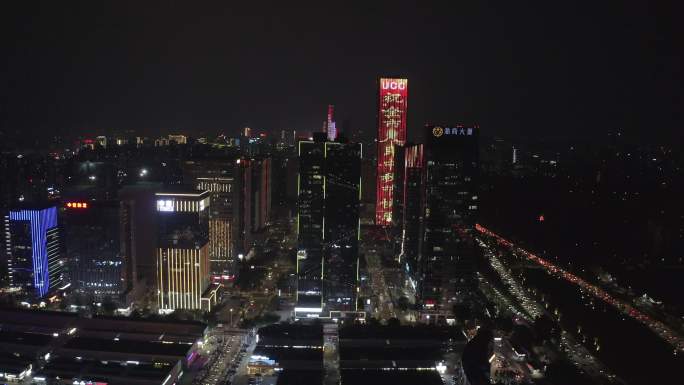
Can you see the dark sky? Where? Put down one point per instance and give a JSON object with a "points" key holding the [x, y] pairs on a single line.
{"points": [[546, 68]]}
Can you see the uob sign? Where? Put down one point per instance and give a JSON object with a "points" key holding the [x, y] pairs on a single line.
{"points": [[392, 84]]}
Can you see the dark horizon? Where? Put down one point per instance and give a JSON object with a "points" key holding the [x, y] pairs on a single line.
{"points": [[525, 71]]}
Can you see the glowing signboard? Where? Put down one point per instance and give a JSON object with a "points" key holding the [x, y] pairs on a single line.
{"points": [[393, 103], [165, 205], [77, 205]]}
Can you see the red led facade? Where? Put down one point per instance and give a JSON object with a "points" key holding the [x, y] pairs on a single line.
{"points": [[393, 102]]}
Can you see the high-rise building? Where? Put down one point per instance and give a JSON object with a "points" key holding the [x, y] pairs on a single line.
{"points": [[95, 249], [183, 249], [447, 271], [413, 195], [341, 225], [139, 234], [252, 201], [218, 177], [329, 126], [242, 207], [392, 109], [329, 189], [261, 190], [310, 213], [35, 262]]}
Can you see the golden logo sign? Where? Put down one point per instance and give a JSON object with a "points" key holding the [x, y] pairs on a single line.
{"points": [[437, 131]]}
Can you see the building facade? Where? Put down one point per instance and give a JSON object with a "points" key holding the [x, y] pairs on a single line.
{"points": [[413, 207], [35, 262], [447, 261], [392, 110], [95, 249], [329, 189], [182, 249], [341, 225], [217, 177]]}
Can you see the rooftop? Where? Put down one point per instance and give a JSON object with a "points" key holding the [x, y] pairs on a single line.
{"points": [[128, 346]]}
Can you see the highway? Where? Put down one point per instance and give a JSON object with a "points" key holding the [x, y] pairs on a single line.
{"points": [[662, 330], [531, 309]]}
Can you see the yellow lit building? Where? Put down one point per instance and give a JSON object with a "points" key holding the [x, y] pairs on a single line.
{"points": [[182, 255]]}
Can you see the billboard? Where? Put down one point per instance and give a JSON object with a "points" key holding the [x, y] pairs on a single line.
{"points": [[392, 107]]}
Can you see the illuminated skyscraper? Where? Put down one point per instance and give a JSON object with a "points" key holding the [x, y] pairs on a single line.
{"points": [[330, 126], [310, 213], [34, 257], [341, 232], [328, 227], [392, 108], [447, 266], [218, 177], [182, 249]]}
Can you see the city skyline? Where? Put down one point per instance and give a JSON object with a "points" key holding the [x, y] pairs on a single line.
{"points": [[174, 212]]}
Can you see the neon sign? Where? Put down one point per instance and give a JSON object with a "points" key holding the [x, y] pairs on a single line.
{"points": [[77, 205], [393, 102]]}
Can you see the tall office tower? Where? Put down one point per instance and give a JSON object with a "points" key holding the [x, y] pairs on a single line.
{"points": [[310, 212], [182, 249], [95, 249], [398, 200], [261, 193], [281, 161], [451, 201], [413, 201], [139, 235], [392, 108], [218, 177], [34, 256], [242, 207], [127, 235], [341, 225], [330, 126], [327, 226]]}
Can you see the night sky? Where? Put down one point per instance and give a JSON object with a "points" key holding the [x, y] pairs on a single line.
{"points": [[547, 68]]}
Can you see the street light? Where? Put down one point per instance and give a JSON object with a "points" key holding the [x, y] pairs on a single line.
{"points": [[231, 317]]}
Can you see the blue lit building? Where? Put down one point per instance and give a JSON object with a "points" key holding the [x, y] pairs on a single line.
{"points": [[34, 256]]}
